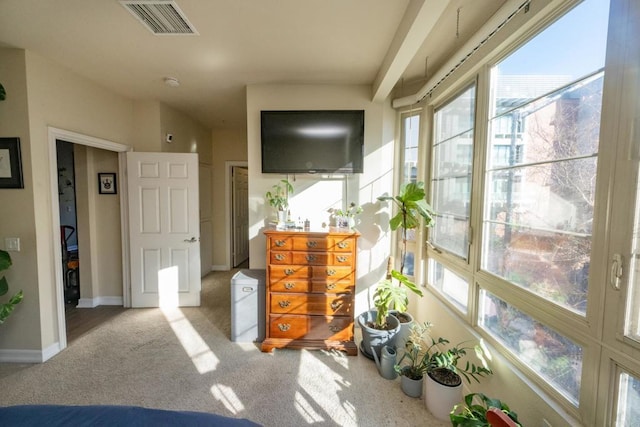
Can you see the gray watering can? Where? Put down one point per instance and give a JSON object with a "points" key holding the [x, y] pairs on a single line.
{"points": [[386, 362]]}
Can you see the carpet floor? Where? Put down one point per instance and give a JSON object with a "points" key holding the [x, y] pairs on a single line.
{"points": [[183, 359]]}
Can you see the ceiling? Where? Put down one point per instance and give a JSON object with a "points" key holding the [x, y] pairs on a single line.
{"points": [[384, 43]]}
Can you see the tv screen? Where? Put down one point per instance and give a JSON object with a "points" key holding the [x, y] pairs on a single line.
{"points": [[316, 141]]}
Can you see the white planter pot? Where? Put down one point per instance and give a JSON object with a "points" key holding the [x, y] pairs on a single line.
{"points": [[440, 399]]}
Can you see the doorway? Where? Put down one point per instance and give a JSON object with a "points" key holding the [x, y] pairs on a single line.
{"points": [[240, 215], [95, 219]]}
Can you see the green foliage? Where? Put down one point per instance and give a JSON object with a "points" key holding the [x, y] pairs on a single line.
{"points": [[3, 93], [475, 414], [423, 359], [386, 296], [411, 205], [450, 357], [414, 353], [7, 308], [278, 196]]}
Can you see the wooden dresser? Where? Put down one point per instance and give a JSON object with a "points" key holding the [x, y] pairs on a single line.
{"points": [[310, 289]]}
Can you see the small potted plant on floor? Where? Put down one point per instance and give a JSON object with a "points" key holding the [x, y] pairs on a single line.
{"points": [[278, 198], [7, 308], [444, 377], [480, 414], [412, 373]]}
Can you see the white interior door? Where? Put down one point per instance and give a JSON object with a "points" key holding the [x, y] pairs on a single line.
{"points": [[240, 197], [164, 229]]}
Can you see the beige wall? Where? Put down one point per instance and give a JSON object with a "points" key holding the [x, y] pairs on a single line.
{"points": [[41, 94], [228, 146], [17, 209], [314, 194]]}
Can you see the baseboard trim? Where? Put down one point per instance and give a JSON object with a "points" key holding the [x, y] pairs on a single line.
{"points": [[94, 302], [29, 356]]}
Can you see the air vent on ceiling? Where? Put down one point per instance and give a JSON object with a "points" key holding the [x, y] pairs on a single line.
{"points": [[160, 17]]}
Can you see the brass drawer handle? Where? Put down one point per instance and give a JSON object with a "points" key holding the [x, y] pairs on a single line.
{"points": [[280, 257], [279, 243], [284, 327], [284, 304], [331, 286], [312, 244], [343, 245], [289, 271], [336, 305], [342, 258], [310, 257], [331, 272], [289, 285], [334, 328]]}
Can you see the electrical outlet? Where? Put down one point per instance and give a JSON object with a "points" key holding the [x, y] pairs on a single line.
{"points": [[12, 244]]}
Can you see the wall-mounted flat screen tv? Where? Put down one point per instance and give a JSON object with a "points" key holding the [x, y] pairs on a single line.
{"points": [[315, 141]]}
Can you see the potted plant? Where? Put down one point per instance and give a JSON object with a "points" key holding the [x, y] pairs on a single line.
{"points": [[444, 376], [7, 308], [472, 414], [379, 327], [412, 208], [345, 218], [412, 374], [278, 198]]}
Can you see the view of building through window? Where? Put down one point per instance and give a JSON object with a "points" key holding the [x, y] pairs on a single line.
{"points": [[535, 224]]}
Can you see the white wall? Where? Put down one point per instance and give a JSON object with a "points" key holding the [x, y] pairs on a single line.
{"points": [[314, 194]]}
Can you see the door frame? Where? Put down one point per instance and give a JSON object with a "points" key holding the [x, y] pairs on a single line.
{"points": [[53, 135], [228, 212]]}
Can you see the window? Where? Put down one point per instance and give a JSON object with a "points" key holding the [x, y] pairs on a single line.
{"points": [[536, 141], [451, 173], [410, 132]]}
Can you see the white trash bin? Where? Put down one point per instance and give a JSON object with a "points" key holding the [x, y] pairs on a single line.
{"points": [[248, 306]]}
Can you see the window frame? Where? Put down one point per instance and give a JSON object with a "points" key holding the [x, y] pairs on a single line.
{"points": [[584, 330]]}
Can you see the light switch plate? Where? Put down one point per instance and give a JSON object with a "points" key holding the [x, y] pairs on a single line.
{"points": [[12, 244]]}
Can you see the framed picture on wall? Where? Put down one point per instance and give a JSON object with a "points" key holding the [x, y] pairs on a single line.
{"points": [[107, 183], [10, 163]]}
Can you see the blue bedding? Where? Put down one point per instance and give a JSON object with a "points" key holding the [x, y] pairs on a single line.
{"points": [[107, 415]]}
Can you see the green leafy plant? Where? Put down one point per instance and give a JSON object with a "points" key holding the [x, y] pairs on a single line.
{"points": [[414, 352], [442, 362], [435, 358], [391, 293], [351, 211], [472, 414], [278, 196], [7, 308]]}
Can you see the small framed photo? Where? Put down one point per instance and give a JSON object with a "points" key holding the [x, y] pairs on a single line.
{"points": [[10, 163], [107, 183]]}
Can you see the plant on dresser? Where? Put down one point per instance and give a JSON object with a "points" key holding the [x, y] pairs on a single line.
{"points": [[310, 289]]}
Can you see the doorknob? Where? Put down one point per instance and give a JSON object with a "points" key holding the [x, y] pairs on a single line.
{"points": [[191, 240]]}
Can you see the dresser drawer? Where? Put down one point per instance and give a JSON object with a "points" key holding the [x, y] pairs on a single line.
{"points": [[304, 243], [341, 258], [311, 258], [311, 327], [338, 287], [346, 244], [289, 285], [323, 304], [332, 273], [278, 257], [278, 273], [280, 243]]}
